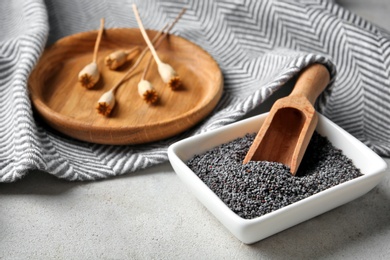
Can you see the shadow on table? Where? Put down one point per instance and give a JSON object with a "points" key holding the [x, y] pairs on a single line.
{"points": [[43, 183], [37, 182]]}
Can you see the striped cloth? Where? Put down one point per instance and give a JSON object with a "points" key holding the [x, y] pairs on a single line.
{"points": [[259, 45]]}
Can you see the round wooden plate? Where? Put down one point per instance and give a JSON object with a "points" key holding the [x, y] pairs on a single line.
{"points": [[70, 108]]}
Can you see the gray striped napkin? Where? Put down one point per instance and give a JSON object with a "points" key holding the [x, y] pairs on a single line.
{"points": [[259, 45]]}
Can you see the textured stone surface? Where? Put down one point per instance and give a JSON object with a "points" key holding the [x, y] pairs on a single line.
{"points": [[151, 215]]}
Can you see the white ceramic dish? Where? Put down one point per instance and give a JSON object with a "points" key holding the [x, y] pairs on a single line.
{"points": [[252, 230]]}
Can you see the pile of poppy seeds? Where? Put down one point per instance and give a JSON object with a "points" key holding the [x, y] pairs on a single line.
{"points": [[257, 188]]}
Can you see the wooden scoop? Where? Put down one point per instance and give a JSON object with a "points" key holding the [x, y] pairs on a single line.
{"points": [[289, 126]]}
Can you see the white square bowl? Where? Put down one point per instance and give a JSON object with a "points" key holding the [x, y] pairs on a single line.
{"points": [[249, 231]]}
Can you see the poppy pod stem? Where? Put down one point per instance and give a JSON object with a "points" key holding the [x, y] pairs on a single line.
{"points": [[145, 35], [89, 75], [98, 40], [167, 73], [159, 41]]}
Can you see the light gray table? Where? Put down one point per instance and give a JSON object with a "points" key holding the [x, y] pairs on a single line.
{"points": [[151, 215]]}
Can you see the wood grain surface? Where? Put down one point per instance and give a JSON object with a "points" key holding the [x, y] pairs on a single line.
{"points": [[70, 108], [290, 124]]}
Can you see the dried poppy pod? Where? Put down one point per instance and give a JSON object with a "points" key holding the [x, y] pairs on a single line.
{"points": [[169, 75], [89, 75], [106, 103], [147, 92], [117, 58]]}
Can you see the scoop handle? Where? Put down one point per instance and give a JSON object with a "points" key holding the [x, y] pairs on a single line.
{"points": [[311, 82]]}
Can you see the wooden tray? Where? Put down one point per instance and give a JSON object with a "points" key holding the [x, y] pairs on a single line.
{"points": [[70, 108]]}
